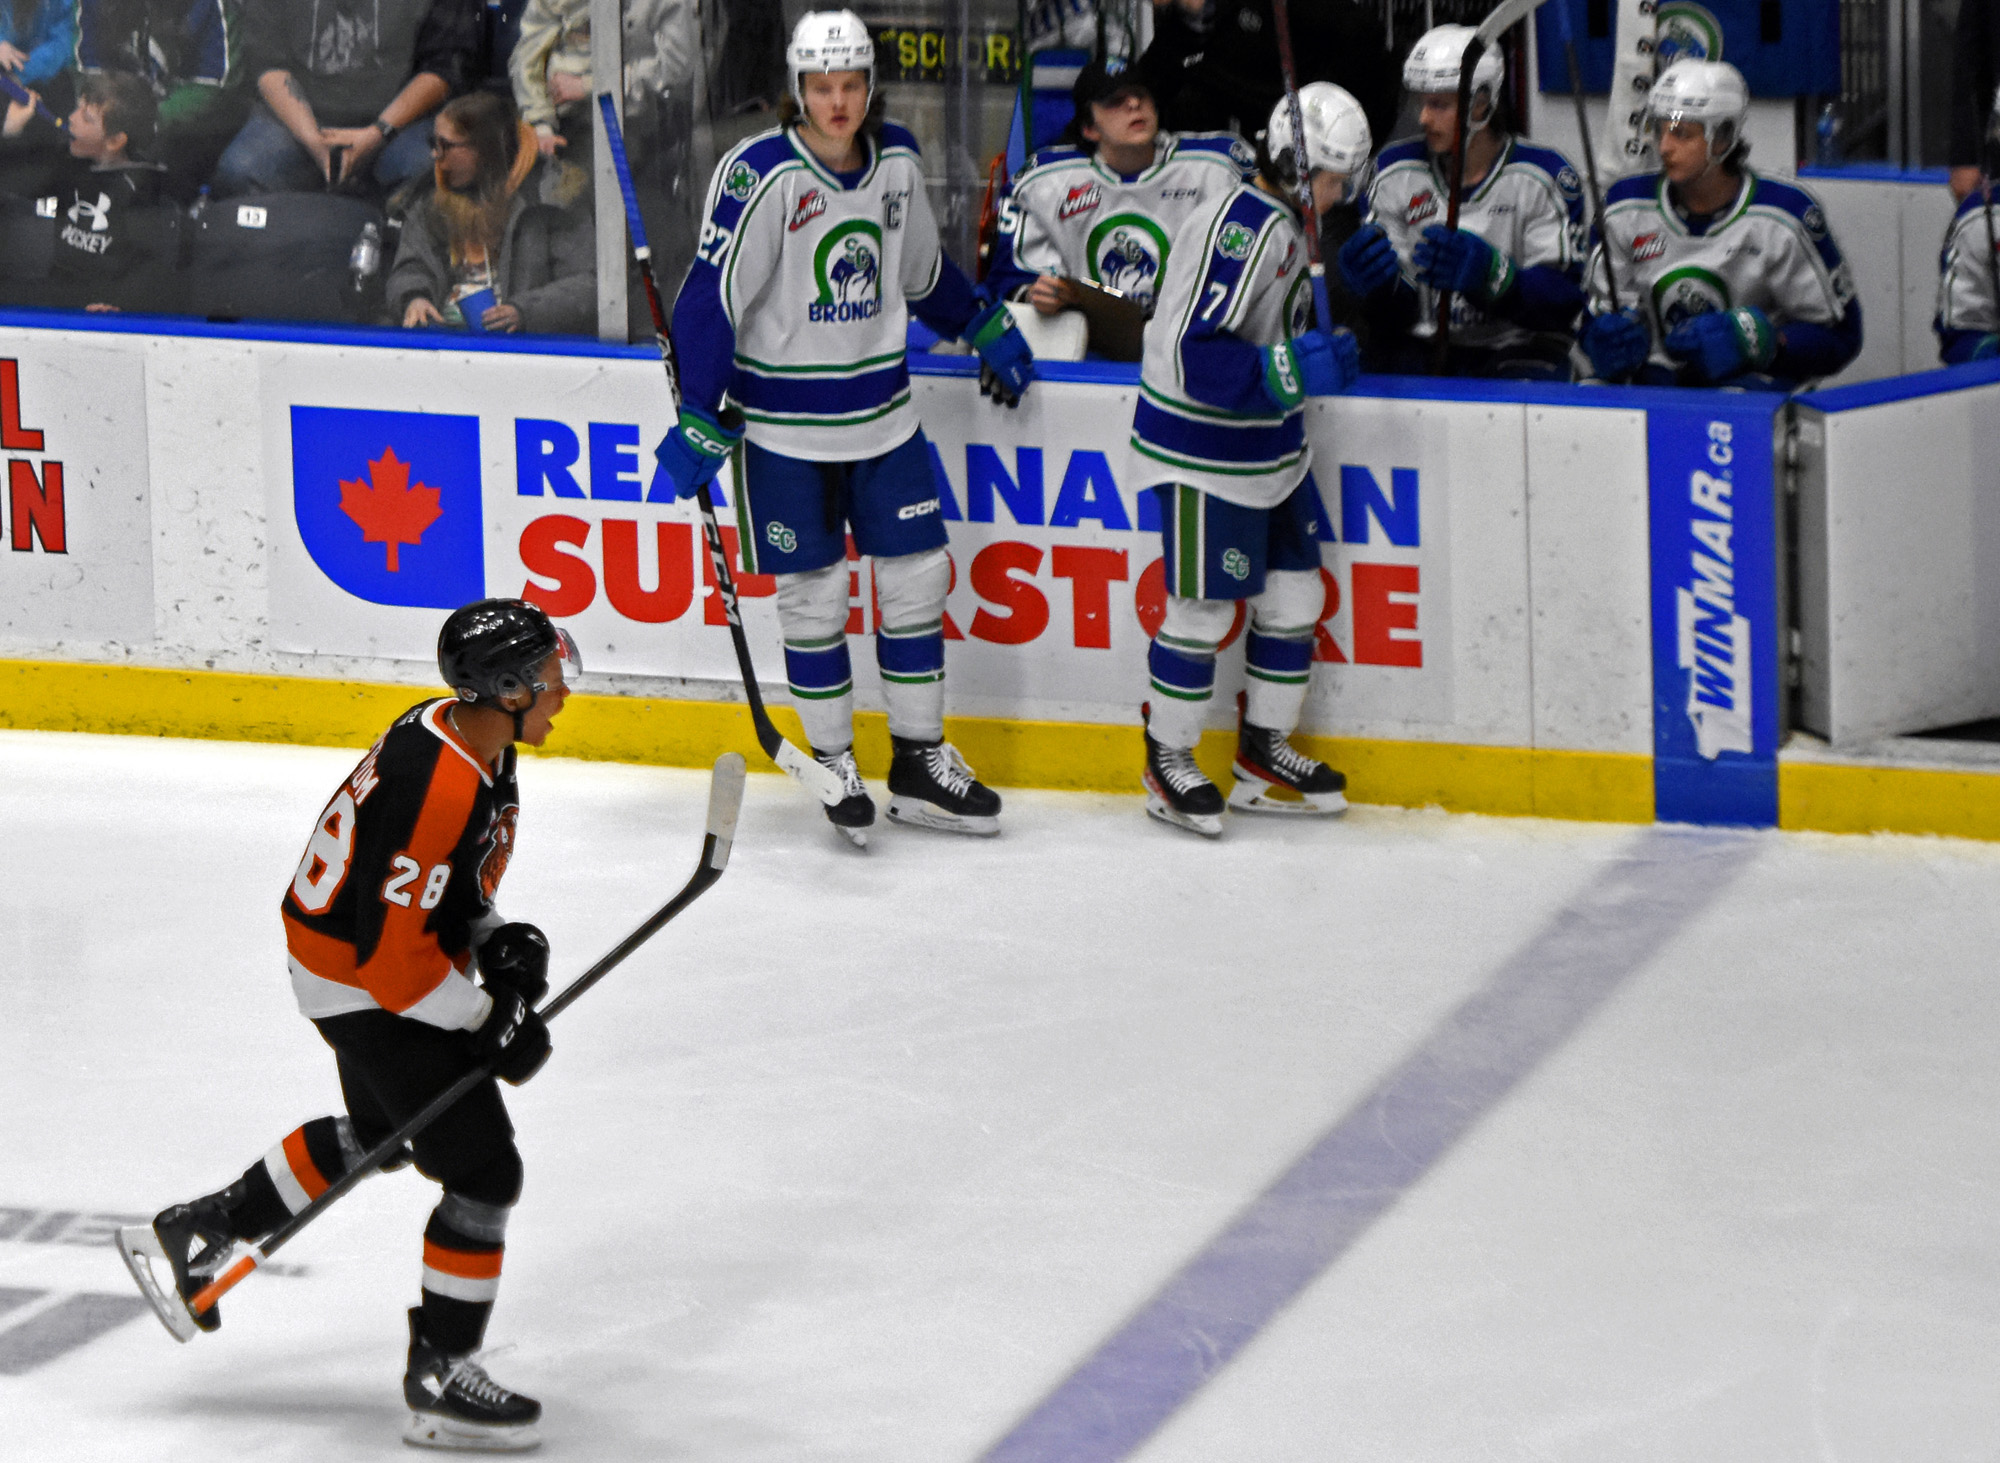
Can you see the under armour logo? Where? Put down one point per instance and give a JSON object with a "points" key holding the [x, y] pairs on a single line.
{"points": [[98, 213]]}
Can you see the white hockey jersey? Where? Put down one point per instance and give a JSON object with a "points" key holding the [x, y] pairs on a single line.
{"points": [[1529, 205], [1770, 249], [1965, 298], [809, 277], [1068, 214], [1204, 417]]}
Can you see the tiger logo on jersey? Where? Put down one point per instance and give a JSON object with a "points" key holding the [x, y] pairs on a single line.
{"points": [[499, 850], [847, 268]]}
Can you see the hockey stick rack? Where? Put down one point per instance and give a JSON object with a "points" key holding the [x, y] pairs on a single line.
{"points": [[139, 1246], [821, 782]]}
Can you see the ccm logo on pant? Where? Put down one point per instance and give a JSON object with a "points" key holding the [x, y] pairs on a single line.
{"points": [[918, 510]]}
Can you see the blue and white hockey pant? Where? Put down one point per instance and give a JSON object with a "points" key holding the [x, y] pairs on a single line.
{"points": [[1219, 554], [794, 517]]}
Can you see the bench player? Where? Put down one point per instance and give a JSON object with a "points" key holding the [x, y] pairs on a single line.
{"points": [[1736, 277], [1105, 208], [819, 242], [1220, 432], [1515, 265], [387, 918]]}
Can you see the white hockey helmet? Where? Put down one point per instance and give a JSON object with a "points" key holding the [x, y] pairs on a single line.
{"points": [[1337, 136], [1712, 93], [1435, 61], [829, 40]]}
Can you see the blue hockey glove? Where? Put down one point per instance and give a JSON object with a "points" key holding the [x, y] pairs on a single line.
{"points": [[1722, 343], [1368, 261], [1006, 365], [1987, 349], [1463, 263], [693, 452], [1616, 344], [1328, 361]]}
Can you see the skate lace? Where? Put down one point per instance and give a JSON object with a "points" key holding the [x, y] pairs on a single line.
{"points": [[841, 764], [470, 1378], [948, 769], [1178, 768], [1288, 759]]}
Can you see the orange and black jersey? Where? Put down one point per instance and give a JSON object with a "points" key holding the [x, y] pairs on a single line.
{"points": [[399, 874]]}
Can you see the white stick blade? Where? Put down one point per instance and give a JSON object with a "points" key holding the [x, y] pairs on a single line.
{"points": [[139, 1248], [725, 796], [822, 782]]}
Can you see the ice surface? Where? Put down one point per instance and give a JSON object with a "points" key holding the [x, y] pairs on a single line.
{"points": [[864, 1155]]}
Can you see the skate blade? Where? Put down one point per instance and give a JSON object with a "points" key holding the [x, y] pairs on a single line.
{"points": [[1208, 825], [916, 813], [428, 1430], [856, 836], [1254, 795], [139, 1247]]}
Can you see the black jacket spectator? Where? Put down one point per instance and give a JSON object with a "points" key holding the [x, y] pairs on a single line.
{"points": [[351, 57], [1217, 68], [117, 242]]}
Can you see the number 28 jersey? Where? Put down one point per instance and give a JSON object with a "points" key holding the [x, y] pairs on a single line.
{"points": [[398, 875]]}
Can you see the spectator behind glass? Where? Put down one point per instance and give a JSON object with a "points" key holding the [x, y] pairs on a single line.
{"points": [[550, 68], [478, 229], [345, 91], [1975, 71], [187, 51], [36, 39], [1213, 64], [116, 246]]}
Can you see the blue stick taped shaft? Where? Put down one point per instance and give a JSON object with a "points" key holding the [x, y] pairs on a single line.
{"points": [[1562, 19], [614, 135]]}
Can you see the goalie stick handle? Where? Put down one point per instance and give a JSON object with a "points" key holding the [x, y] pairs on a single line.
{"points": [[725, 801], [1308, 211]]}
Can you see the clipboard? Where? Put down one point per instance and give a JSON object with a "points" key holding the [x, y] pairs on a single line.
{"points": [[1117, 324]]}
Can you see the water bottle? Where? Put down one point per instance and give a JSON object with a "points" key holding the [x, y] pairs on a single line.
{"points": [[1828, 132], [365, 259]]}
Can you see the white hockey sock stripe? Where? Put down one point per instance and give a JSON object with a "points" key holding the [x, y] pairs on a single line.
{"points": [[278, 1166], [461, 1274]]}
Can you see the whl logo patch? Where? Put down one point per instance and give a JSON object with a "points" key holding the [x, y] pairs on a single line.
{"points": [[808, 208], [1080, 200], [1421, 207], [1648, 246], [387, 503]]}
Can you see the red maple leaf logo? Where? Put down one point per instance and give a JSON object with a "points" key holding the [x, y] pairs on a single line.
{"points": [[389, 510]]}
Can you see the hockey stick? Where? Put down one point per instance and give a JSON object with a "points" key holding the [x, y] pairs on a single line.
{"points": [[1589, 152], [1507, 13], [1308, 205], [821, 782], [725, 801]]}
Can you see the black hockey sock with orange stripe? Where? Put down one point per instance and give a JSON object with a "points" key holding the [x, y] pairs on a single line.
{"points": [[293, 1174], [463, 1247]]}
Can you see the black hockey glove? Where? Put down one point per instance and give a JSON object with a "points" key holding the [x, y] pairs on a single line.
{"points": [[513, 1038], [515, 957]]}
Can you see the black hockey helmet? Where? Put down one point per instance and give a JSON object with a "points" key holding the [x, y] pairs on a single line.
{"points": [[492, 647]]}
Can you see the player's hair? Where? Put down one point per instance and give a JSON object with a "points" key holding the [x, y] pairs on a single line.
{"points": [[493, 130], [790, 114], [128, 105], [1073, 133]]}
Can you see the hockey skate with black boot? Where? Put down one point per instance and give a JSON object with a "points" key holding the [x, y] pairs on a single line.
{"points": [[454, 1404], [192, 1241], [1273, 776], [854, 814], [931, 787], [1178, 792]]}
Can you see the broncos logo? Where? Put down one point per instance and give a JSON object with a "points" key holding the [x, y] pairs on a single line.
{"points": [[1128, 264], [854, 275]]}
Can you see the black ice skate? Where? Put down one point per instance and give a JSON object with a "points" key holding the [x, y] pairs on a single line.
{"points": [[1273, 776], [192, 1241], [854, 814], [1178, 792], [454, 1404], [931, 787]]}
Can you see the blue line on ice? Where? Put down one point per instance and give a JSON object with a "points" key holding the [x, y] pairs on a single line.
{"points": [[1318, 1209]]}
